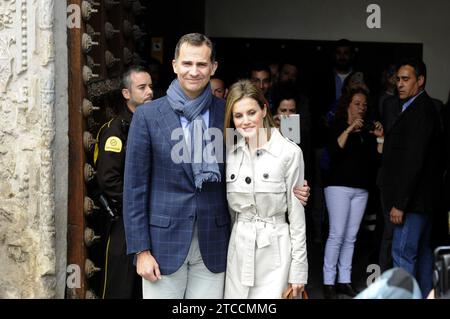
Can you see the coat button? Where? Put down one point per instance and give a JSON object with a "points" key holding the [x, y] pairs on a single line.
{"points": [[248, 180], [232, 176], [258, 153], [266, 176]]}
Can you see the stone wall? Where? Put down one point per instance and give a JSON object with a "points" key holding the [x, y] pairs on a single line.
{"points": [[28, 260]]}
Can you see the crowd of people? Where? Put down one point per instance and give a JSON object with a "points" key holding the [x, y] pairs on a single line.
{"points": [[214, 202]]}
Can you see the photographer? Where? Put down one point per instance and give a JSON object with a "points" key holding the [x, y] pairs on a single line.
{"points": [[353, 155]]}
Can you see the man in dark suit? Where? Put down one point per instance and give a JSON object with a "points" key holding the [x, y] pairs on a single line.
{"points": [[410, 173]]}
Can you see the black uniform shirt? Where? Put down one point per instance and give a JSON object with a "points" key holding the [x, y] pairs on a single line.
{"points": [[110, 162]]}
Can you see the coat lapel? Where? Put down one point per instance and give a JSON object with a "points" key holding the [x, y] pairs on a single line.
{"points": [[216, 121], [168, 123], [401, 114]]}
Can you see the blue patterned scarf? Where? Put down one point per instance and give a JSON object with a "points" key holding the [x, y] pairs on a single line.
{"points": [[204, 166]]}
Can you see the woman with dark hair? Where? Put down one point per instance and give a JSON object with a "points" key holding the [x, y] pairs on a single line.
{"points": [[285, 101], [288, 101], [267, 250], [352, 149], [355, 80]]}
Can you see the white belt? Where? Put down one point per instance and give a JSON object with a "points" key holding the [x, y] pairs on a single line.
{"points": [[277, 219], [257, 237]]}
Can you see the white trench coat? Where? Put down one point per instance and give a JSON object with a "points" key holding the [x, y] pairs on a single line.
{"points": [[265, 252]]}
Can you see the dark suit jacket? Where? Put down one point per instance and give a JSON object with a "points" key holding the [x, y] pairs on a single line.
{"points": [[391, 109], [161, 203], [411, 171]]}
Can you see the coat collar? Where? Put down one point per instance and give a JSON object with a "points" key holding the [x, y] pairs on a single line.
{"points": [[169, 122], [274, 146], [126, 114], [409, 109]]}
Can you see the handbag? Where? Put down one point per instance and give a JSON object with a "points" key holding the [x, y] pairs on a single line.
{"points": [[288, 294]]}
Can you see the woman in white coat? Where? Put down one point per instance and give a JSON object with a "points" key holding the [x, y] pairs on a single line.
{"points": [[267, 250]]}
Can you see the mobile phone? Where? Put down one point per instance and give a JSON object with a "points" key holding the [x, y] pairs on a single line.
{"points": [[290, 127]]}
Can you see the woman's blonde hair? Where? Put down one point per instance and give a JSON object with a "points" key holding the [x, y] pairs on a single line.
{"points": [[242, 89]]}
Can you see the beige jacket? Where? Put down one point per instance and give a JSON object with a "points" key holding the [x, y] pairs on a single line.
{"points": [[265, 252]]}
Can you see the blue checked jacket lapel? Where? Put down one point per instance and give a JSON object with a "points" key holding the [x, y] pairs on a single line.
{"points": [[170, 122], [216, 120]]}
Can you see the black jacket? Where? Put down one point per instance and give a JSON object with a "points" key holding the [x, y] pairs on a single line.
{"points": [[391, 109], [356, 164], [110, 162], [411, 165]]}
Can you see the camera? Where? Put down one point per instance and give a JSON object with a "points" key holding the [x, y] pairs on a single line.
{"points": [[368, 126], [441, 274]]}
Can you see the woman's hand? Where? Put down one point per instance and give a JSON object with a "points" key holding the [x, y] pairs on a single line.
{"points": [[297, 290], [355, 126], [378, 131]]}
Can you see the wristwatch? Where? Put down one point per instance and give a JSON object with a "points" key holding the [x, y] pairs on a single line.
{"points": [[380, 140]]}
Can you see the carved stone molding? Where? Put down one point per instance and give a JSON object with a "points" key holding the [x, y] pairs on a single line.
{"points": [[7, 10], [6, 59], [24, 34], [27, 134]]}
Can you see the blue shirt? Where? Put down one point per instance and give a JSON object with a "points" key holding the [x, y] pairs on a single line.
{"points": [[409, 102], [339, 81], [184, 124]]}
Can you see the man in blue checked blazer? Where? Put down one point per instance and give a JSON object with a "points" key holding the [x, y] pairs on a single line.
{"points": [[175, 209]]}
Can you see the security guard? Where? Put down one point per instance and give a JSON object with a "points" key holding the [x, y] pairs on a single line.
{"points": [[120, 277]]}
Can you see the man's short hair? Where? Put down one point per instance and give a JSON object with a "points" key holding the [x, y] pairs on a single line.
{"points": [[343, 43], [258, 67], [126, 77], [419, 67], [195, 39]]}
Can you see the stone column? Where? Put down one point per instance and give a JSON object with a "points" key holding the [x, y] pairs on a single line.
{"points": [[28, 254]]}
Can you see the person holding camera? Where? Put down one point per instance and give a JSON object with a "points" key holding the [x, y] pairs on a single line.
{"points": [[353, 155]]}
